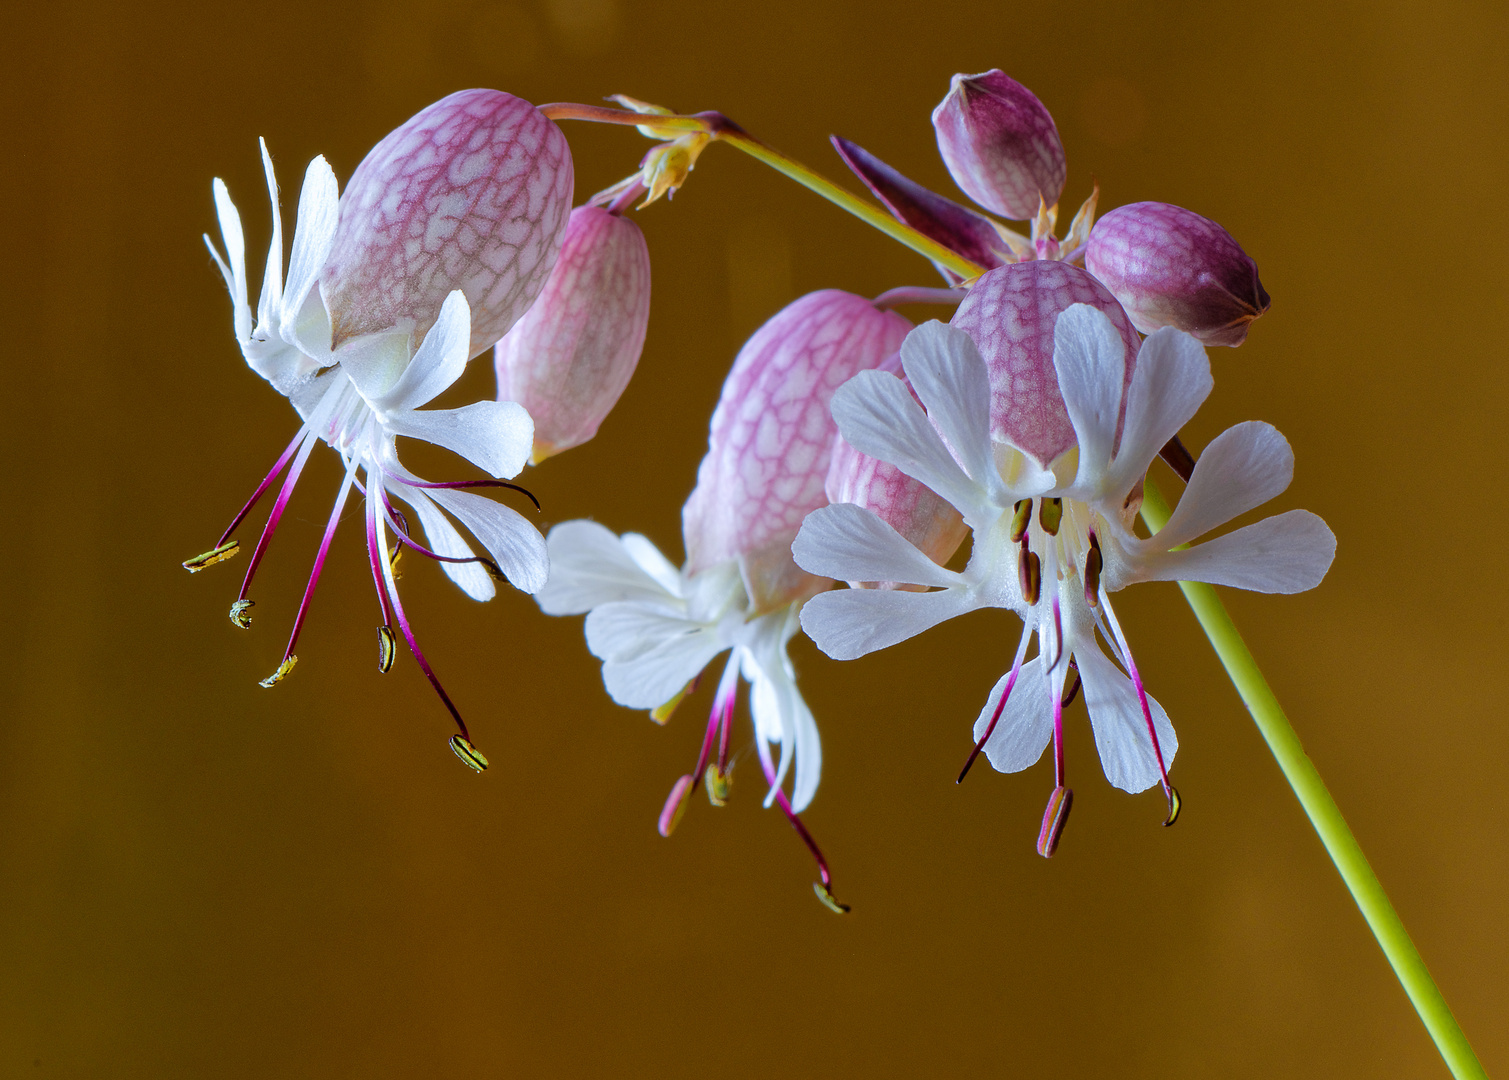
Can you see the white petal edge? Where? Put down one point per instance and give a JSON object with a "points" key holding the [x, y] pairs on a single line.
{"points": [[849, 543], [1286, 553], [493, 435], [439, 360], [949, 376], [1170, 383], [1121, 737], [590, 566], [1026, 723], [849, 623], [1242, 468], [313, 236], [269, 302], [235, 255], [514, 544], [1090, 359], [441, 537]]}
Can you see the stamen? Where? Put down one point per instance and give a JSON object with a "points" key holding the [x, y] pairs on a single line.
{"points": [[1068, 699], [1178, 458], [278, 676], [263, 486], [1016, 668], [1169, 792], [451, 485], [1050, 514], [387, 649], [823, 888], [1094, 562], [1055, 817], [661, 713], [722, 712], [241, 613], [468, 753], [211, 557], [1029, 574], [405, 540], [319, 559], [289, 483], [675, 804], [717, 781], [1021, 517]]}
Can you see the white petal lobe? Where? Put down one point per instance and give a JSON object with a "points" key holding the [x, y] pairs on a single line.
{"points": [[494, 435], [849, 543], [1121, 735]]}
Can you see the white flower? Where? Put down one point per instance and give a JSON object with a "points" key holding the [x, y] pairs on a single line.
{"points": [[655, 629], [358, 399], [1053, 543]]}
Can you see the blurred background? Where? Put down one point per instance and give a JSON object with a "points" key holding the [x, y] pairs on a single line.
{"points": [[199, 877]]}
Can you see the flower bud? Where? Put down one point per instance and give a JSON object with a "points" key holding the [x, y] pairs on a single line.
{"points": [[772, 438], [571, 355], [1010, 313], [472, 193], [1000, 144], [909, 506], [1171, 267]]}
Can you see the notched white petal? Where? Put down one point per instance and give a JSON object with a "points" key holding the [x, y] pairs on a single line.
{"points": [[590, 566], [515, 545], [1287, 553], [312, 238], [1026, 723], [1121, 735], [1242, 468], [439, 360], [494, 435], [949, 376], [1090, 359], [849, 543], [849, 623], [1169, 384]]}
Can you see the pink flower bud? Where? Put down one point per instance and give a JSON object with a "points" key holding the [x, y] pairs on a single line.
{"points": [[1010, 313], [772, 438], [1000, 144], [471, 193], [910, 507], [1171, 267], [571, 355]]}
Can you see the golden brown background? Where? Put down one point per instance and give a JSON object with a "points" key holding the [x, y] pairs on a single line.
{"points": [[201, 878]]}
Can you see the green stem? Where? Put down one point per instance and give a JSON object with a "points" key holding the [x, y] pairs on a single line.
{"points": [[870, 215], [1324, 814]]}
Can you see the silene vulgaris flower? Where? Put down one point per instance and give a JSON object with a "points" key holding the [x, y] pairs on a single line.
{"points": [[445, 235], [1038, 419], [656, 626]]}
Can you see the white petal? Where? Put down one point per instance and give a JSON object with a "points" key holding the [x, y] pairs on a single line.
{"points": [[648, 656], [589, 566], [441, 537], [877, 415], [848, 623], [439, 360], [648, 556], [1090, 359], [373, 364], [272, 273], [1287, 553], [1243, 467], [514, 544], [1171, 380], [849, 543], [1121, 736], [313, 236], [948, 373], [235, 254], [494, 435], [1026, 723]]}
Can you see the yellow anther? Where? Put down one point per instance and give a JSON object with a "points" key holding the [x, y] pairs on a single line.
{"points": [[1175, 804], [1050, 514], [827, 899], [282, 673], [661, 713], [393, 558], [1030, 576], [468, 754], [241, 613], [717, 784], [387, 649], [1020, 519], [210, 558]]}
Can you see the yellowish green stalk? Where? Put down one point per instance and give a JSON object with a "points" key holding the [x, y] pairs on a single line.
{"points": [[1324, 814]]}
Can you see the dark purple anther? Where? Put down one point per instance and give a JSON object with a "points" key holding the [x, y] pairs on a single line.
{"points": [[1171, 267], [572, 354], [472, 193], [1010, 313], [1000, 144]]}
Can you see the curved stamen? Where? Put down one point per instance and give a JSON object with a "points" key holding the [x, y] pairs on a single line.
{"points": [[263, 486], [408, 634], [276, 516], [1169, 791], [1016, 668], [319, 565], [377, 578], [1058, 697], [405, 540], [722, 711], [824, 888], [450, 485]]}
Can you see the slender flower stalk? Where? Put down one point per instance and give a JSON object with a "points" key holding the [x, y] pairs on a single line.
{"points": [[1325, 816]]}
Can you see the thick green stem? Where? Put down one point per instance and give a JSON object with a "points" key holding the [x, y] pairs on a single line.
{"points": [[1324, 814]]}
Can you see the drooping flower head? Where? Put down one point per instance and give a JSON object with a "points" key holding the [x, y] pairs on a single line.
{"points": [[572, 354], [1039, 417], [657, 627], [446, 233]]}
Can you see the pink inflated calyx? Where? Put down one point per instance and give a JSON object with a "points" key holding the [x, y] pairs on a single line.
{"points": [[1000, 144], [909, 506], [772, 435], [1010, 314], [1171, 267], [571, 355], [472, 193]]}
